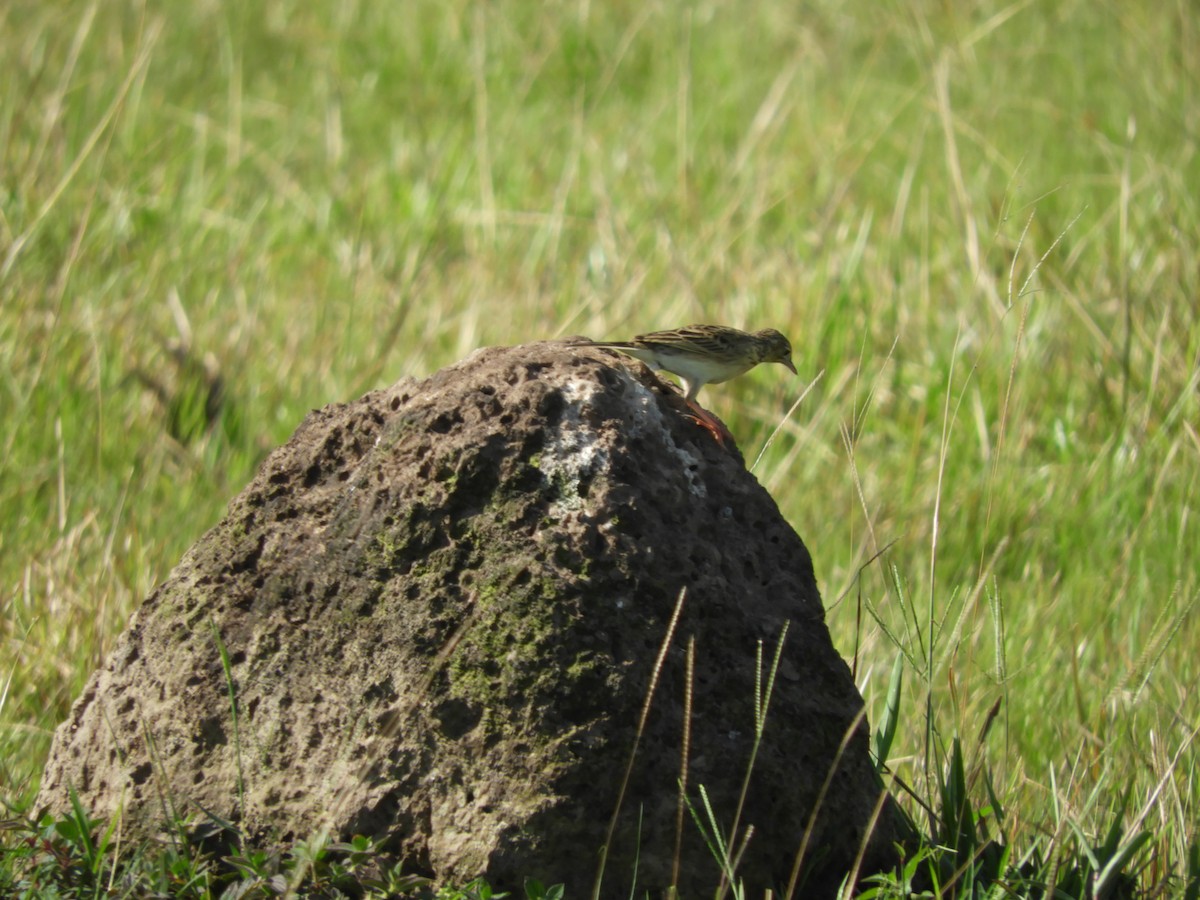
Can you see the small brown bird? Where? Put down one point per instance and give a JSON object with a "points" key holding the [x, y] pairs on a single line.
{"points": [[705, 354]]}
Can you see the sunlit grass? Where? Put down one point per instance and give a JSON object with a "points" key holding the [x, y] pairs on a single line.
{"points": [[979, 226]]}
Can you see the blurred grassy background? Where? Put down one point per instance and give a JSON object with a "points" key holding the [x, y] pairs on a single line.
{"points": [[978, 223]]}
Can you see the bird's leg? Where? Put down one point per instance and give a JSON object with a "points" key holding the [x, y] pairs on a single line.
{"points": [[708, 422]]}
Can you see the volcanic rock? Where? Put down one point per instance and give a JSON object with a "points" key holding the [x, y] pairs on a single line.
{"points": [[435, 617]]}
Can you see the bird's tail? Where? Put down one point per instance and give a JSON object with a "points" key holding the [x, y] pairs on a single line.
{"points": [[606, 345]]}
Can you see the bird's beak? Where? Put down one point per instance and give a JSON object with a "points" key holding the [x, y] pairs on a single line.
{"points": [[788, 363]]}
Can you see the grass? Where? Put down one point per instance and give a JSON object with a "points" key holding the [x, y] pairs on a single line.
{"points": [[978, 223]]}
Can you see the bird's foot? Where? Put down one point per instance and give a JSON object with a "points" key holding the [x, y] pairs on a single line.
{"points": [[710, 423]]}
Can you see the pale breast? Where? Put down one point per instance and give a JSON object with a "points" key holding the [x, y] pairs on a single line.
{"points": [[699, 370]]}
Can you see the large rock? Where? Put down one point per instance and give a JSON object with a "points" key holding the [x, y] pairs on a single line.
{"points": [[441, 607]]}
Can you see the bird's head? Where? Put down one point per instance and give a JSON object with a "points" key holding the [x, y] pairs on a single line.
{"points": [[774, 347]]}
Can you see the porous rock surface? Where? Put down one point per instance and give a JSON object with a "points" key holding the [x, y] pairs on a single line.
{"points": [[441, 607]]}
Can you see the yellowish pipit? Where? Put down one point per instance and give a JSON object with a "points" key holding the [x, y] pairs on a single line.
{"points": [[705, 354]]}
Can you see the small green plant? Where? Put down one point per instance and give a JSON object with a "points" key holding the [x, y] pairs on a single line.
{"points": [[478, 889], [723, 850], [76, 856], [535, 890]]}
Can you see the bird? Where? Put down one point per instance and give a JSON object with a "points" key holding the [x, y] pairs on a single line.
{"points": [[705, 354]]}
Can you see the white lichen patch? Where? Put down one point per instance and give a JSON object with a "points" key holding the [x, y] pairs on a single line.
{"points": [[649, 418], [576, 452], [573, 452]]}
